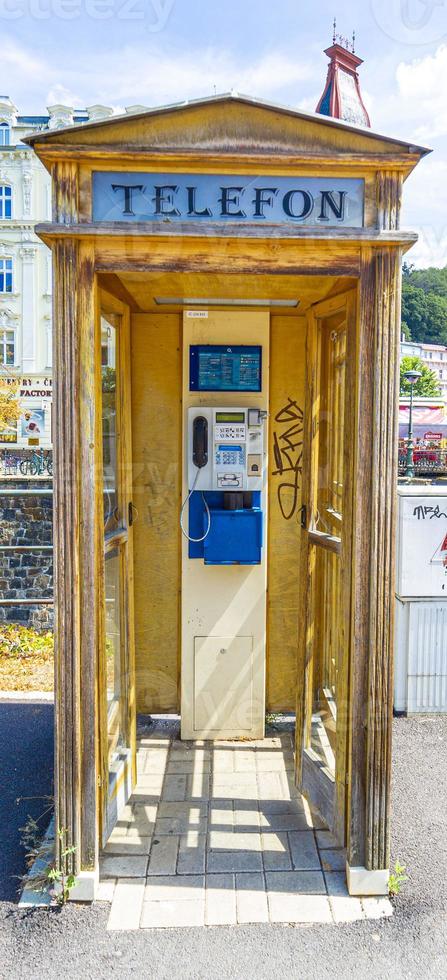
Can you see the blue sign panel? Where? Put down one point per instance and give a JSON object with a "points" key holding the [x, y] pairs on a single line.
{"points": [[327, 202], [222, 368]]}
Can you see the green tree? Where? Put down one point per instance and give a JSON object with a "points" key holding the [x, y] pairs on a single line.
{"points": [[10, 409], [426, 386], [424, 304]]}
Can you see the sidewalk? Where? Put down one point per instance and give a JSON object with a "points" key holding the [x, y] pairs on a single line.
{"points": [[217, 834], [412, 942]]}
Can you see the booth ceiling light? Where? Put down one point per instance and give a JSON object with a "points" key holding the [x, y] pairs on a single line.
{"points": [[179, 301]]}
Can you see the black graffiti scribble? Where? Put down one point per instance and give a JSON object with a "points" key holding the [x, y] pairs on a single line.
{"points": [[288, 454], [422, 512]]}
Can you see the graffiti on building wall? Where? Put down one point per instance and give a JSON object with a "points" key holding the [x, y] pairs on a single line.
{"points": [[287, 456]]}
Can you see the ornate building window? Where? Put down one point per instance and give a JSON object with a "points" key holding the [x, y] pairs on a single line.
{"points": [[5, 201], [5, 134], [7, 347], [5, 275]]}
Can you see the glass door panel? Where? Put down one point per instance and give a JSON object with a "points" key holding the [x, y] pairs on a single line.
{"points": [[110, 424], [116, 679], [328, 652], [116, 671], [326, 561]]}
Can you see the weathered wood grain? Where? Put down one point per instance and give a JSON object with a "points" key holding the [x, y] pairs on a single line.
{"points": [[64, 175], [66, 536], [374, 509], [389, 199], [132, 235], [76, 418]]}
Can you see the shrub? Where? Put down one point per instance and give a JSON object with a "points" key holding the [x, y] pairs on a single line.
{"points": [[23, 642]]}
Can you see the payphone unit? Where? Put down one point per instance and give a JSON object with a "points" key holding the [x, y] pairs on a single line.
{"points": [[224, 563], [225, 458], [225, 448]]}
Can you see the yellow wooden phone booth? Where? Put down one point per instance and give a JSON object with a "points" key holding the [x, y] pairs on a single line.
{"points": [[226, 328]]}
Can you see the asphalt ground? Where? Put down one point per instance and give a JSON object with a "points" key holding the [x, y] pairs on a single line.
{"points": [[413, 943], [26, 782]]}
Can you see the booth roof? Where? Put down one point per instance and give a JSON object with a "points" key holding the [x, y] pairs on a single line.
{"points": [[52, 135]]}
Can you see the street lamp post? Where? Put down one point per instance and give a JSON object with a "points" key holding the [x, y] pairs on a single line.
{"points": [[412, 377]]}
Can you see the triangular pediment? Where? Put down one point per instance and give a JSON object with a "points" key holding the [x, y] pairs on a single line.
{"points": [[225, 125]]}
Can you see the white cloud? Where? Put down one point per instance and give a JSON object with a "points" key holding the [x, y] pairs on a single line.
{"points": [[145, 75], [20, 60], [425, 213], [418, 104]]}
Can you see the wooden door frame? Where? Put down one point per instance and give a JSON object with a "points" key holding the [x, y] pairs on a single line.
{"points": [[109, 305], [331, 795]]}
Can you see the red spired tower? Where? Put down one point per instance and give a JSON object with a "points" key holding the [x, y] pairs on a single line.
{"points": [[342, 97]]}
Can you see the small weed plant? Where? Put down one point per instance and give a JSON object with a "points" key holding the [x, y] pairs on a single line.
{"points": [[62, 880], [52, 861], [397, 879], [272, 719]]}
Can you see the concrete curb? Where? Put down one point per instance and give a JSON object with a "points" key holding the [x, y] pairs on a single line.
{"points": [[27, 696]]}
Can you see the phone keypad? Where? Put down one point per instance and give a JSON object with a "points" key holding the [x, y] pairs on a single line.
{"points": [[230, 457]]}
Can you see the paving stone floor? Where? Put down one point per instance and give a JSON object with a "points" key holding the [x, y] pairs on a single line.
{"points": [[216, 833]]}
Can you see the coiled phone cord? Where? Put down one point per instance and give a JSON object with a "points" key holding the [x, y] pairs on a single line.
{"points": [[208, 514]]}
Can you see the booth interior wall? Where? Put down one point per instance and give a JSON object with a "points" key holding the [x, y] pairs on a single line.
{"points": [[287, 385], [156, 423]]}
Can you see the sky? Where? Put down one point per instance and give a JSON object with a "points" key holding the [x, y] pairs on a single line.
{"points": [[152, 52]]}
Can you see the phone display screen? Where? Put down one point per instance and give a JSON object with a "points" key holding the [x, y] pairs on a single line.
{"points": [[230, 416], [222, 368]]}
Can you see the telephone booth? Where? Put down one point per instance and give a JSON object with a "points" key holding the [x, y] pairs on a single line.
{"points": [[226, 329]]}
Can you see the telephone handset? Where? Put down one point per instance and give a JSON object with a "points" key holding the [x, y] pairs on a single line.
{"points": [[200, 459], [200, 442]]}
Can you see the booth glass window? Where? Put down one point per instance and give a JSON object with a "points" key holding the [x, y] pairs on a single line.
{"points": [[110, 434], [115, 676], [114, 641]]}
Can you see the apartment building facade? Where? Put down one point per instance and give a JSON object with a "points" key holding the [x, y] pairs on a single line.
{"points": [[25, 269], [433, 355]]}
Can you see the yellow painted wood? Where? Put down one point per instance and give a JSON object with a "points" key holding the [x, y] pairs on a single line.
{"points": [[287, 394], [156, 424], [144, 288], [228, 127]]}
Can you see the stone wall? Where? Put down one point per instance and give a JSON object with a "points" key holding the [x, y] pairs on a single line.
{"points": [[26, 522]]}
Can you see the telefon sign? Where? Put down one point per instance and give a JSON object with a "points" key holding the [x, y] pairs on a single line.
{"points": [[173, 197]]}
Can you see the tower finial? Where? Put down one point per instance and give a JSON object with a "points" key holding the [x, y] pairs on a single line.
{"points": [[342, 98]]}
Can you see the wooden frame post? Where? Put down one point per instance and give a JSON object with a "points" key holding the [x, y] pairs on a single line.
{"points": [[77, 554], [374, 517]]}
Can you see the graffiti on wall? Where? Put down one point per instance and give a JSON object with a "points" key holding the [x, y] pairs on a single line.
{"points": [[287, 456]]}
